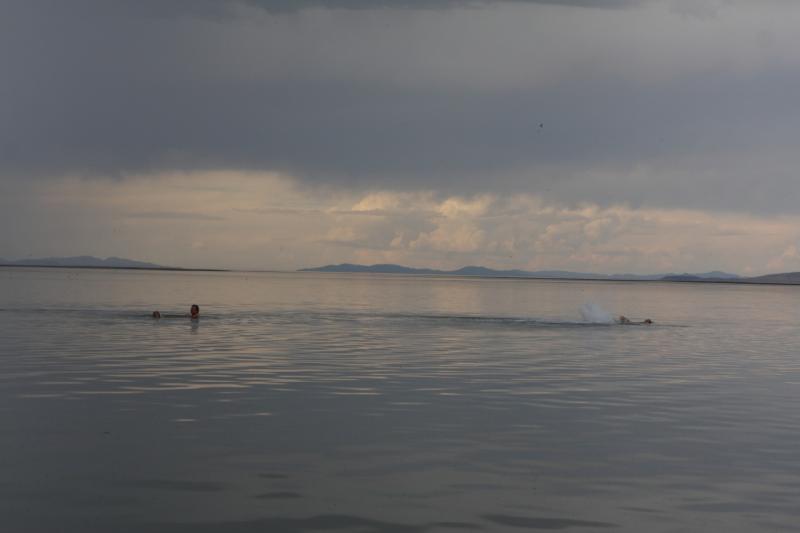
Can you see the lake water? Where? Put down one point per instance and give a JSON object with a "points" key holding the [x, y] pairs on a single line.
{"points": [[390, 404]]}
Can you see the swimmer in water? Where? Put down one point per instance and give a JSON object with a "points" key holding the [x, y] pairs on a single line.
{"points": [[194, 313], [623, 320]]}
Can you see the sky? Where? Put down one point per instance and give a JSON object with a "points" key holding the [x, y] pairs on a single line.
{"points": [[605, 136]]}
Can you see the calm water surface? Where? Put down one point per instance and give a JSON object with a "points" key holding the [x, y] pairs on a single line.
{"points": [[358, 403]]}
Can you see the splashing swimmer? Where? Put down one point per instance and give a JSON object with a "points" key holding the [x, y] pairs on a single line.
{"points": [[194, 313], [625, 321]]}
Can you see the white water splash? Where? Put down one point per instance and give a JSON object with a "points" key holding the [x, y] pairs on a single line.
{"points": [[594, 314]]}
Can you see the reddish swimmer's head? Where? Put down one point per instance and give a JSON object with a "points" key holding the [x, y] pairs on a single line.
{"points": [[195, 311], [156, 314]]}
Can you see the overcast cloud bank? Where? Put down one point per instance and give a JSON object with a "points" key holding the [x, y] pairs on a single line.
{"points": [[632, 107]]}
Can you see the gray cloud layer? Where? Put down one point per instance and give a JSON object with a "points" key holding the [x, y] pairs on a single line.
{"points": [[648, 105], [296, 5]]}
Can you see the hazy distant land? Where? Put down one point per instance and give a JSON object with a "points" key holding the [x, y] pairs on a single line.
{"points": [[544, 274], [716, 276], [786, 278], [88, 261]]}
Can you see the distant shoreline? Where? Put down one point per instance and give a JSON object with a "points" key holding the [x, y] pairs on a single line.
{"points": [[84, 267], [741, 281]]}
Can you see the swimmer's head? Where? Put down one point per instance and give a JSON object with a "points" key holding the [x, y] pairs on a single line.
{"points": [[647, 321], [156, 314], [194, 311]]}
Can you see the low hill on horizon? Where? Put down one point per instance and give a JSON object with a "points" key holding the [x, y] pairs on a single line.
{"points": [[82, 261], [786, 278], [489, 272]]}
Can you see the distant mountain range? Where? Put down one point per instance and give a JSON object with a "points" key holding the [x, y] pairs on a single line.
{"points": [[787, 278], [87, 261], [82, 261], [547, 274]]}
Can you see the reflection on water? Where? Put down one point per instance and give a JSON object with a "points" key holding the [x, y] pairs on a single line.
{"points": [[389, 404]]}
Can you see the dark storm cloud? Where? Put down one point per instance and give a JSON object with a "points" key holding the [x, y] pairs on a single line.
{"points": [[218, 8], [95, 88], [183, 7], [295, 5]]}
